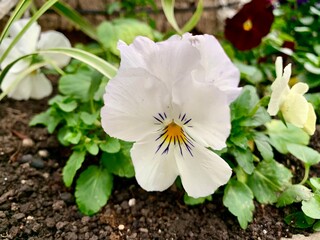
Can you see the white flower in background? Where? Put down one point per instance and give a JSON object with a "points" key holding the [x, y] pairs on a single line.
{"points": [[35, 85], [291, 102], [172, 99], [5, 6]]}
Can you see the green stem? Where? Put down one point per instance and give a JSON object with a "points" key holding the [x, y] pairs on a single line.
{"points": [[306, 174]]}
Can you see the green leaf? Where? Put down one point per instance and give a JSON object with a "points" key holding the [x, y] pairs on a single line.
{"points": [[73, 136], [294, 193], [75, 85], [88, 118], [124, 29], [316, 226], [50, 119], [93, 189], [311, 207], [268, 179], [312, 68], [238, 198], [243, 105], [262, 143], [118, 164], [95, 62], [195, 201], [74, 17], [304, 153], [194, 19], [317, 49], [245, 159], [66, 104], [258, 119], [299, 220], [168, 9], [250, 73], [315, 182], [112, 145], [92, 148], [73, 164], [281, 136]]}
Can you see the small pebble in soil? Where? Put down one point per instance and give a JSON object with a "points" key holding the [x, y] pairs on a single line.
{"points": [[43, 153], [67, 197], [18, 216], [144, 230], [58, 205], [132, 202], [37, 163], [25, 158], [121, 227], [2, 214], [27, 142]]}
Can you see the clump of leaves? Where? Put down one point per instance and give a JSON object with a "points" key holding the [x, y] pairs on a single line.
{"points": [[74, 115]]}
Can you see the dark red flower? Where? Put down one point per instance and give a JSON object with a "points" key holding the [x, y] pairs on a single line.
{"points": [[246, 29]]}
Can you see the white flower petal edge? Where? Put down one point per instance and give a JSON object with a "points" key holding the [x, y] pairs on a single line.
{"points": [[310, 124], [279, 87], [41, 86], [53, 39], [21, 91], [132, 99], [5, 6], [202, 173], [209, 116], [165, 60], [217, 66], [28, 42], [14, 54], [154, 171]]}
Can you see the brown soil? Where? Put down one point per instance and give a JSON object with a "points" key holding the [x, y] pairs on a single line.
{"points": [[34, 203]]}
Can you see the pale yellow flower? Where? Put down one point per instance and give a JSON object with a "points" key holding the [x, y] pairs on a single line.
{"points": [[291, 102]]}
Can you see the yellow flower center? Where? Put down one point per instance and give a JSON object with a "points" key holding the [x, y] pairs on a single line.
{"points": [[247, 25], [174, 133]]}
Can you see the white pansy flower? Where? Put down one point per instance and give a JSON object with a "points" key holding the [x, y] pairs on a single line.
{"points": [[291, 102], [172, 99], [35, 85]]}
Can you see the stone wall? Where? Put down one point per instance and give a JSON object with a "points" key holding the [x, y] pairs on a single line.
{"points": [[211, 21]]}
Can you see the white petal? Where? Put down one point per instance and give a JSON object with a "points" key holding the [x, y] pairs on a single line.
{"points": [[54, 39], [217, 66], [28, 42], [300, 88], [203, 172], [279, 66], [5, 6], [168, 61], [280, 89], [208, 109], [14, 54], [132, 99], [310, 125], [295, 109], [134, 55], [41, 86], [154, 171], [21, 91]]}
